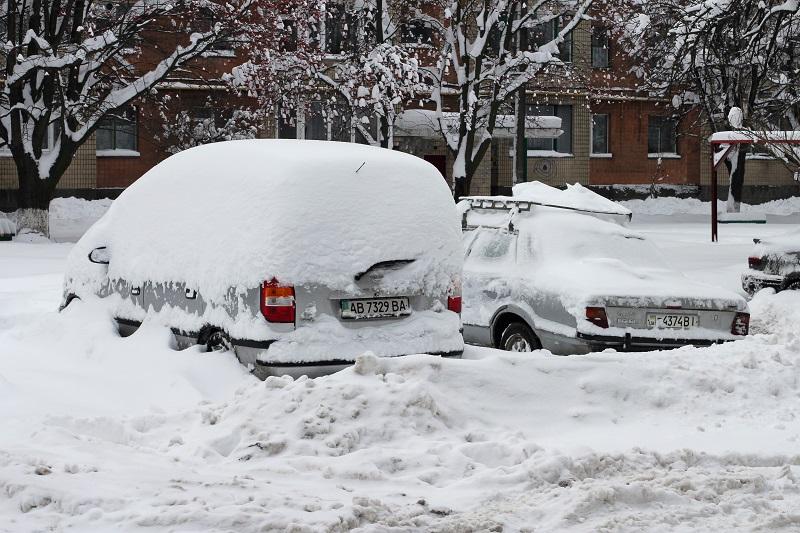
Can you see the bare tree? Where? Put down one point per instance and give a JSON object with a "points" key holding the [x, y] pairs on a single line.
{"points": [[480, 68], [68, 63], [735, 60]]}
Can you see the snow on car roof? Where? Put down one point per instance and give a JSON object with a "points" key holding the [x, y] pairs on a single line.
{"points": [[575, 196], [496, 211], [240, 212], [782, 243]]}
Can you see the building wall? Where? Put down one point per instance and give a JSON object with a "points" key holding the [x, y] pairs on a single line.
{"points": [[81, 174], [630, 162]]}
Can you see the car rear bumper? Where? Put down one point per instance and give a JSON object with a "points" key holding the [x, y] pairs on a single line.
{"points": [[264, 369], [631, 343], [753, 281], [252, 354]]}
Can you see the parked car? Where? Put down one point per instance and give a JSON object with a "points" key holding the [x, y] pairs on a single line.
{"points": [[774, 263], [297, 255], [574, 280]]}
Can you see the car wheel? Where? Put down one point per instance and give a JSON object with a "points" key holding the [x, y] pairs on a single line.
{"points": [[215, 340], [518, 337]]}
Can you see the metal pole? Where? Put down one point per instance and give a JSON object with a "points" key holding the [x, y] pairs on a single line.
{"points": [[714, 195], [521, 148]]}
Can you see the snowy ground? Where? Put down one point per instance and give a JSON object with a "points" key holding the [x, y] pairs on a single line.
{"points": [[102, 433]]}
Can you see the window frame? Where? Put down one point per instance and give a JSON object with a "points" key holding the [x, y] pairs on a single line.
{"points": [[660, 153], [554, 150], [607, 153], [5, 151], [551, 29], [117, 118], [605, 46]]}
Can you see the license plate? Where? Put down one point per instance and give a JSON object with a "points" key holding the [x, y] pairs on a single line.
{"points": [[672, 321], [374, 308]]}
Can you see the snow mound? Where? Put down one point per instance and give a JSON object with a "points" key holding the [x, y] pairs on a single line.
{"points": [[234, 214], [77, 210], [696, 437], [7, 226], [693, 206]]}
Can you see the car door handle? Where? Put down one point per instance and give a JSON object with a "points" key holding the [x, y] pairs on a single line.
{"points": [[136, 291]]}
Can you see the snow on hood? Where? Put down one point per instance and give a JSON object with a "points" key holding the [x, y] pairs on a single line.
{"points": [[778, 244], [586, 260], [574, 196], [234, 214]]}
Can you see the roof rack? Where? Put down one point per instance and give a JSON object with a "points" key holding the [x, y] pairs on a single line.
{"points": [[489, 202]]}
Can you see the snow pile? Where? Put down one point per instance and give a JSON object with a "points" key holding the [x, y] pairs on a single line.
{"points": [[693, 206], [574, 196], [106, 433], [69, 219], [7, 226], [234, 214], [71, 213]]}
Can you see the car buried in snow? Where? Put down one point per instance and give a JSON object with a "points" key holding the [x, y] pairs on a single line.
{"points": [[774, 263], [297, 255], [575, 280]]}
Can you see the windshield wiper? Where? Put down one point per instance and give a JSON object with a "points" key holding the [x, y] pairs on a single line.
{"points": [[384, 264]]}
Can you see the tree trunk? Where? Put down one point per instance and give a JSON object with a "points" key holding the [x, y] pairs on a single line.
{"points": [[735, 163], [33, 202], [460, 188]]}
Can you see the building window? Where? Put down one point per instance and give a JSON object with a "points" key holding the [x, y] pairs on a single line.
{"points": [[287, 125], [118, 130], [600, 47], [222, 48], [415, 32], [542, 34], [600, 134], [288, 27], [561, 144], [340, 30], [661, 135], [327, 122], [316, 127]]}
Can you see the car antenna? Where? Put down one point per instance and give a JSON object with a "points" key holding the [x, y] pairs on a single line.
{"points": [[359, 168]]}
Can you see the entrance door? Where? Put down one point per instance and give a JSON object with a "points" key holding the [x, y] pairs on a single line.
{"points": [[439, 161]]}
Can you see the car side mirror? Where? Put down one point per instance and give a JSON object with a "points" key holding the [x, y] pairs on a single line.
{"points": [[100, 256]]}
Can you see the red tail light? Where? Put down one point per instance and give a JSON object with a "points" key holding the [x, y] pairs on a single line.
{"points": [[454, 297], [741, 324], [756, 263], [454, 304], [597, 316], [277, 302]]}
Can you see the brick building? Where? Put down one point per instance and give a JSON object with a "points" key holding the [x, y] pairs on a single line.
{"points": [[614, 137]]}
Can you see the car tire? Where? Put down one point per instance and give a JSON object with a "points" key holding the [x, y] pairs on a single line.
{"points": [[215, 340], [518, 337]]}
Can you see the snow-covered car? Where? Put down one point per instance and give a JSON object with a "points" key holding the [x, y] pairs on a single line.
{"points": [[774, 263], [297, 255], [574, 280]]}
